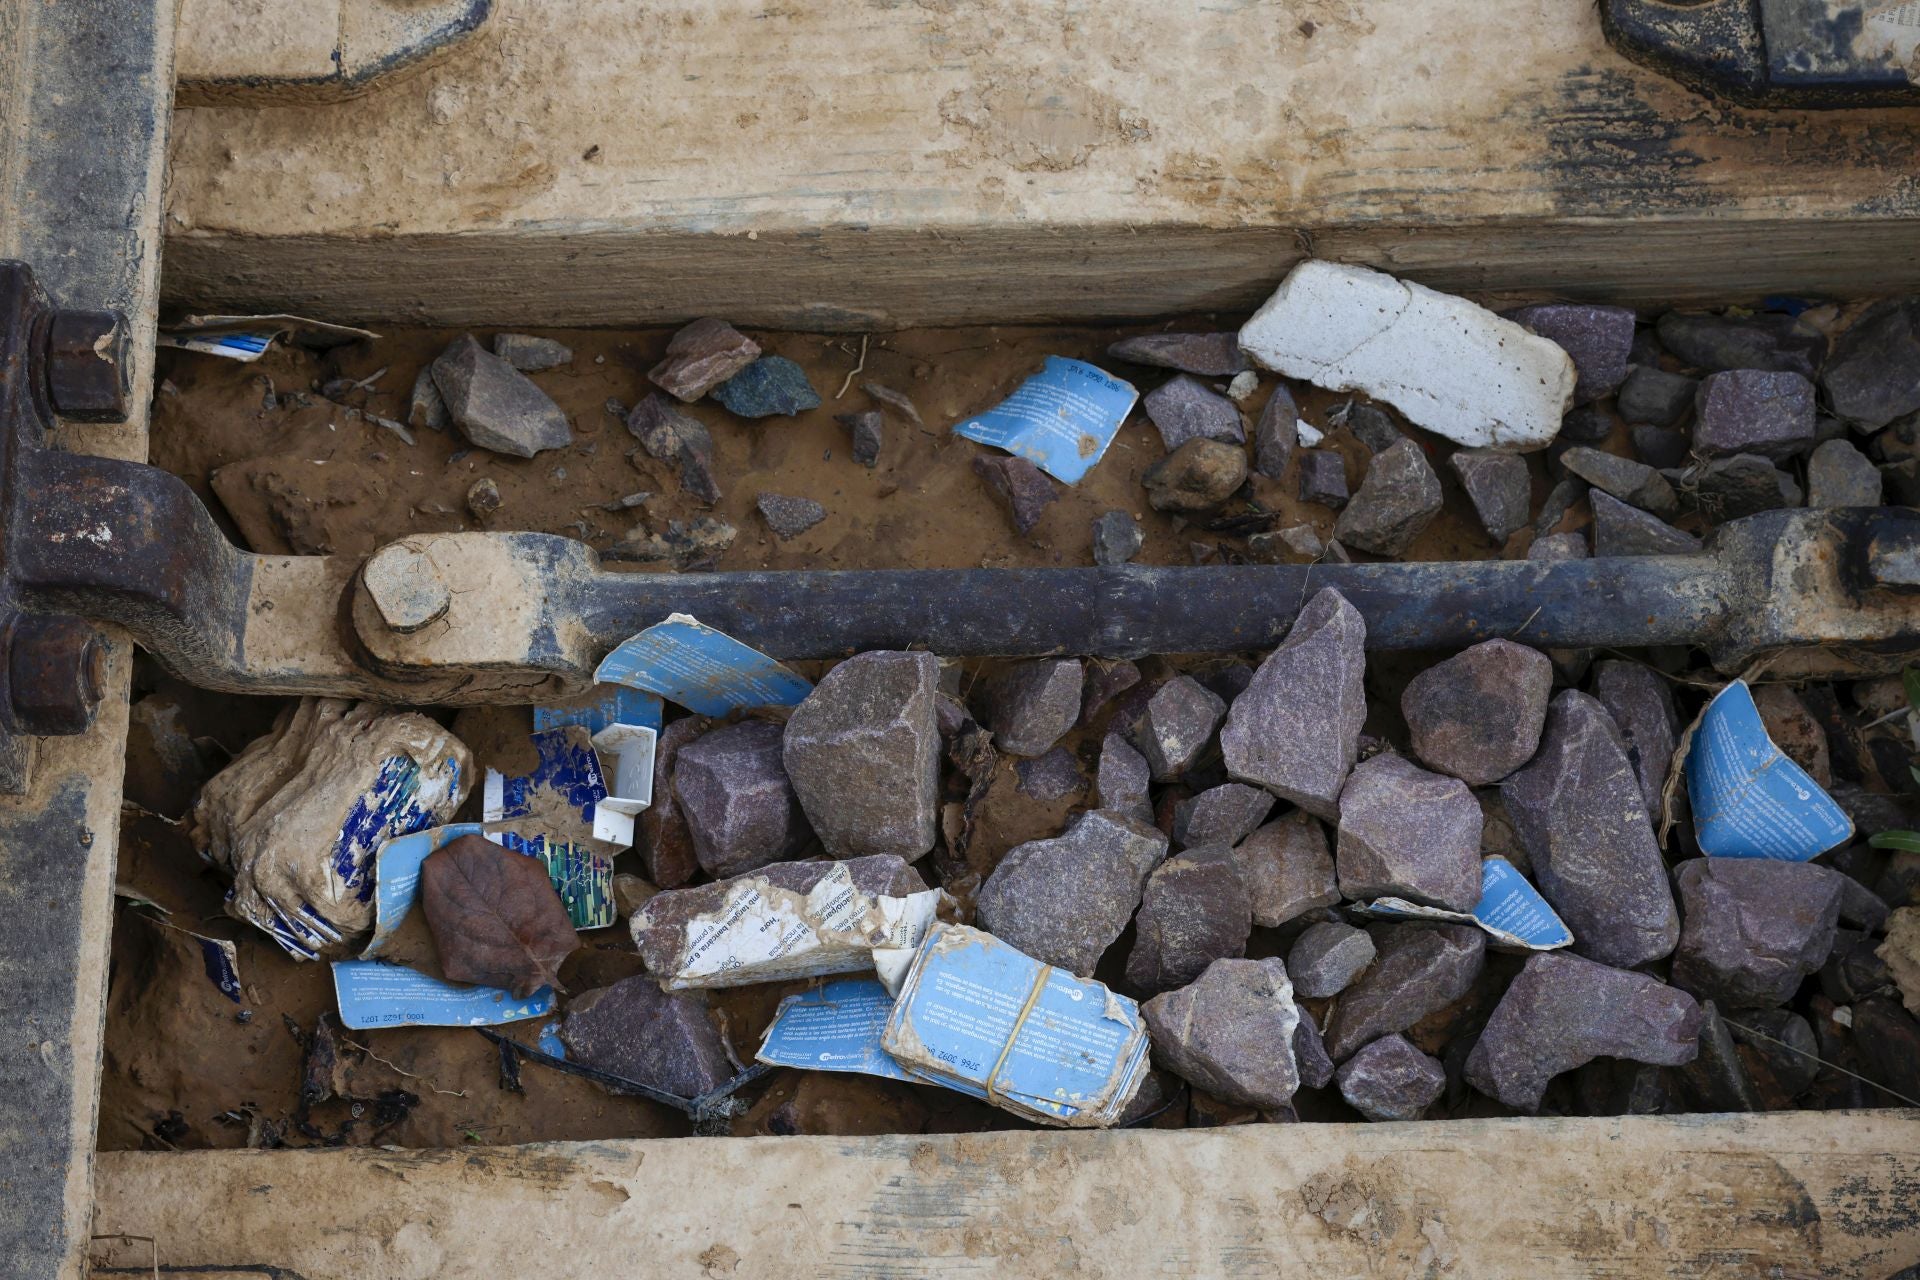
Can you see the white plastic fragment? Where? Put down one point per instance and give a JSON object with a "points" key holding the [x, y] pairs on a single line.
{"points": [[1449, 365], [630, 790], [1309, 435]]}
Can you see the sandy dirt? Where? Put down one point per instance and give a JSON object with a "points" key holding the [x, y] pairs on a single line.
{"points": [[188, 1067]]}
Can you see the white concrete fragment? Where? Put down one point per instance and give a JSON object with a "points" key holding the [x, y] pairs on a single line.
{"points": [[1309, 435], [1449, 365]]}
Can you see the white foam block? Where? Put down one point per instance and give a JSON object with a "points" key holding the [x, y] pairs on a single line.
{"points": [[1449, 365]]}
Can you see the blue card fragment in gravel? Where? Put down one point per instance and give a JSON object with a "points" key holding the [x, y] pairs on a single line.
{"points": [[976, 1015], [1510, 910], [1749, 800], [835, 1027], [706, 671], [373, 993], [1061, 419], [600, 706]]}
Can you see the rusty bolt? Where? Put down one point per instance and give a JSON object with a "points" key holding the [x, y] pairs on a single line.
{"points": [[89, 366], [405, 587], [57, 669]]}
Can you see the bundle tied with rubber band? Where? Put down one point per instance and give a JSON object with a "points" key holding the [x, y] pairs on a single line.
{"points": [[980, 1017]]}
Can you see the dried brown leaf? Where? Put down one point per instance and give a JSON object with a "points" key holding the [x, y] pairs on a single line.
{"points": [[496, 918]]}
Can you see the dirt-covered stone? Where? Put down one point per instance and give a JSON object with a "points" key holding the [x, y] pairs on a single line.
{"points": [[1398, 499], [1655, 397], [1390, 1079], [1599, 338], [863, 755], [1407, 833], [1418, 969], [1225, 814], [1500, 488], [1563, 1011], [1276, 434], [1183, 408], [1116, 538], [1031, 705], [770, 387], [1478, 715], [1874, 375], [1641, 704], [1177, 726], [1230, 1031], [700, 357], [635, 1030], [1753, 411], [1197, 476], [1019, 486], [1122, 777], [495, 405], [1287, 869], [1621, 530], [739, 805], [1634, 483], [1323, 478], [1753, 928], [1194, 910], [1327, 957], [1296, 729], [1065, 900], [1211, 355]]}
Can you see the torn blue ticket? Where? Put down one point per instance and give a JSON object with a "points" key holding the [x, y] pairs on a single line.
{"points": [[373, 993], [1061, 419], [706, 671], [563, 793], [976, 1015], [1749, 800], [1510, 910], [836, 1027], [600, 707]]}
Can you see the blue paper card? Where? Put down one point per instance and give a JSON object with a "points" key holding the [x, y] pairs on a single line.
{"points": [[1510, 909], [601, 706], [375, 994], [703, 670], [836, 1027], [1061, 419], [398, 878], [1749, 800], [976, 1015], [568, 774]]}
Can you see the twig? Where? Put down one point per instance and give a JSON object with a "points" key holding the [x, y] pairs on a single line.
{"points": [[854, 372], [446, 1093], [1892, 1093], [149, 1241], [1529, 622]]}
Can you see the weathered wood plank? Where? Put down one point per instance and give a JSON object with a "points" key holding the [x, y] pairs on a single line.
{"points": [[1789, 1194], [619, 162], [85, 93]]}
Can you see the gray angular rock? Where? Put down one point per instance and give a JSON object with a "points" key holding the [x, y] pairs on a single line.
{"points": [[1225, 814], [1641, 704], [1194, 910], [1106, 680], [495, 405], [789, 517], [1600, 340], [1230, 1031], [1578, 809], [1296, 730], [1323, 478], [1184, 408], [739, 805], [1052, 777], [899, 403], [1660, 447], [1372, 426], [1391, 1080], [1326, 959], [425, 409], [1716, 1078], [1198, 476], [1753, 411], [1478, 715], [1769, 341], [1500, 488], [1560, 500], [700, 357], [1398, 498], [1287, 869], [1632, 482], [672, 436], [1116, 538], [1587, 424], [1031, 705], [1310, 1053], [1839, 475], [1212, 355], [1120, 781], [1177, 725], [1652, 396], [665, 843], [529, 354], [1784, 1049], [1621, 530], [1302, 541], [1753, 928], [866, 432], [1564, 1011], [1065, 900], [1276, 434], [1418, 969], [1874, 375], [1407, 833], [1019, 486], [635, 1030], [862, 753], [1571, 545], [772, 386], [1723, 489]]}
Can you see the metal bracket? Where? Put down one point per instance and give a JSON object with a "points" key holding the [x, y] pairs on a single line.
{"points": [[1777, 53]]}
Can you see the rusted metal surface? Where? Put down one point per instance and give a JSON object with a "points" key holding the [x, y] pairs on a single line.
{"points": [[1775, 53]]}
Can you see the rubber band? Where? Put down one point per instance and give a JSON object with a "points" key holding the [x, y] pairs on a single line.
{"points": [[1033, 998]]}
